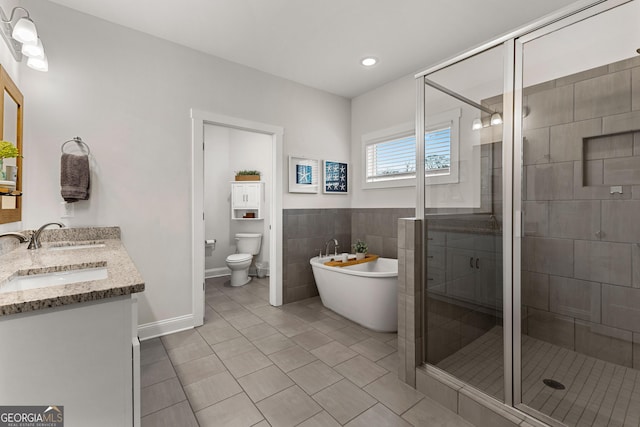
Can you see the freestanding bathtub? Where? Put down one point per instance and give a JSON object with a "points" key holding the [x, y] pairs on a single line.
{"points": [[365, 293]]}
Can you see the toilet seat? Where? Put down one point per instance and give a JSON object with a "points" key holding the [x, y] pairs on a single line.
{"points": [[239, 257]]}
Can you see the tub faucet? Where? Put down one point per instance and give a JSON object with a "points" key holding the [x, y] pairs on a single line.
{"points": [[35, 238], [21, 237], [335, 246]]}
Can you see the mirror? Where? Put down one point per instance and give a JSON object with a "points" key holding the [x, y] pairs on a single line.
{"points": [[11, 111]]}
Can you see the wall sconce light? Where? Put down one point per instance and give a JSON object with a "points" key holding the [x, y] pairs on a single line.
{"points": [[22, 39], [496, 119]]}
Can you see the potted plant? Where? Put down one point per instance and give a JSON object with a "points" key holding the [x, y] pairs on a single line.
{"points": [[7, 151], [360, 249], [248, 175]]}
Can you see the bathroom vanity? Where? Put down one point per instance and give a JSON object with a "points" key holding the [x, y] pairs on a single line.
{"points": [[72, 344]]}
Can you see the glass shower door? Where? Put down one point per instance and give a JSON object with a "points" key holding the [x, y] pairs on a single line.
{"points": [[578, 355], [463, 173]]}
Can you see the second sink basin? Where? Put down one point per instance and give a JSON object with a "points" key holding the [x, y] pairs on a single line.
{"points": [[23, 283]]}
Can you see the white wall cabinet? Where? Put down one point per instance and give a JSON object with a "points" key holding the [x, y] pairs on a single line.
{"points": [[247, 200]]}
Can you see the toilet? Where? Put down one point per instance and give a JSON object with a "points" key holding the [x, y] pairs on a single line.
{"points": [[248, 245]]}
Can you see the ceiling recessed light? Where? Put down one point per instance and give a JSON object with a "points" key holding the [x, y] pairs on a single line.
{"points": [[369, 61]]}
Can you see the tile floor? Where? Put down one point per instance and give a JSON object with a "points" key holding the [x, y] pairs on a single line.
{"points": [[252, 364], [597, 393]]}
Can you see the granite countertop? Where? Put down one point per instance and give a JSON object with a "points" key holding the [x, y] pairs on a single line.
{"points": [[467, 229], [123, 277], [471, 224]]}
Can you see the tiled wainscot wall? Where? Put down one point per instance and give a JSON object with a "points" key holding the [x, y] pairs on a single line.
{"points": [[581, 253], [306, 232]]}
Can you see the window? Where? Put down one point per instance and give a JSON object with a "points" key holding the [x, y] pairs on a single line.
{"points": [[391, 160], [390, 155], [437, 152]]}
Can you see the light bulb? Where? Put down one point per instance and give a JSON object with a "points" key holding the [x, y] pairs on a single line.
{"points": [[25, 31], [369, 62], [38, 63], [33, 50]]}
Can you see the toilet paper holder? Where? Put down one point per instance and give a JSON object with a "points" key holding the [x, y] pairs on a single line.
{"points": [[210, 242]]}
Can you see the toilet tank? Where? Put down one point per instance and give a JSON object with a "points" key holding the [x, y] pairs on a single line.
{"points": [[249, 243]]}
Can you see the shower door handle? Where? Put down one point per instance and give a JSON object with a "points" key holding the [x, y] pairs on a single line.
{"points": [[471, 262]]}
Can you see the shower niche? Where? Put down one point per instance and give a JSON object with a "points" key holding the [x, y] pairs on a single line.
{"points": [[612, 160]]}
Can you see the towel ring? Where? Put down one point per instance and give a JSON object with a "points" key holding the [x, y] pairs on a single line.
{"points": [[78, 141]]}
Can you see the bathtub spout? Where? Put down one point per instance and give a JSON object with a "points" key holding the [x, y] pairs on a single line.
{"points": [[335, 247]]}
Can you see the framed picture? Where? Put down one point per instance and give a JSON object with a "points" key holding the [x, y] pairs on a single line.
{"points": [[336, 177], [303, 175]]}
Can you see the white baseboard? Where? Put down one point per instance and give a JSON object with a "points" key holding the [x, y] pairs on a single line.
{"points": [[216, 272], [165, 327]]}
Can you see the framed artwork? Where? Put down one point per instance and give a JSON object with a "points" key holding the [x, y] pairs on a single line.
{"points": [[303, 175], [336, 177]]}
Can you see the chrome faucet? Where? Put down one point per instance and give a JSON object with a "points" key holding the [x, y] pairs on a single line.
{"points": [[35, 238], [21, 237], [335, 246]]}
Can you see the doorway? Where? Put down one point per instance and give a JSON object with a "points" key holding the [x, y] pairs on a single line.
{"points": [[204, 123]]}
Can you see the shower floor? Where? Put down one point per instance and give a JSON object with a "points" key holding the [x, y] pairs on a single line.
{"points": [[597, 393]]}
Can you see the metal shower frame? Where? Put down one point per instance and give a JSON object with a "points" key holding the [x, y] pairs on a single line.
{"points": [[512, 150]]}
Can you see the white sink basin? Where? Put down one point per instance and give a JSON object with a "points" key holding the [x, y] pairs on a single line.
{"points": [[23, 283], [69, 247]]}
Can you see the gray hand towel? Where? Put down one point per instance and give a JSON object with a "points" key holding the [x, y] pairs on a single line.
{"points": [[74, 177]]}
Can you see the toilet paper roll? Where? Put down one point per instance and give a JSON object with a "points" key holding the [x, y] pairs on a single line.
{"points": [[210, 242]]}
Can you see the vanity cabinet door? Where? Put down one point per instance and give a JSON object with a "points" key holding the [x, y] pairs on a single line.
{"points": [[460, 266], [461, 274], [473, 269], [488, 271], [436, 268], [57, 355]]}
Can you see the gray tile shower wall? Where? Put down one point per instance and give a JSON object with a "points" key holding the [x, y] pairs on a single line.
{"points": [[581, 253], [306, 231]]}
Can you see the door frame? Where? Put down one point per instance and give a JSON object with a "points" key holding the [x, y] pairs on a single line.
{"points": [[199, 119]]}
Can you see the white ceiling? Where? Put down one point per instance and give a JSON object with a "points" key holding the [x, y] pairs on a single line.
{"points": [[319, 43]]}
